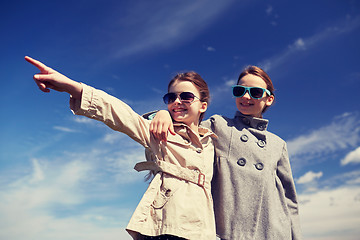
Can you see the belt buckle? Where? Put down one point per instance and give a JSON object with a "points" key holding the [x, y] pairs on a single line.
{"points": [[201, 179]]}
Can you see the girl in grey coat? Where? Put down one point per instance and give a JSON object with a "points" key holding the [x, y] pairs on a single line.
{"points": [[253, 188]]}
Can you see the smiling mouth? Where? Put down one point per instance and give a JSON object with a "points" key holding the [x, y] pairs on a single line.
{"points": [[179, 110], [246, 104]]}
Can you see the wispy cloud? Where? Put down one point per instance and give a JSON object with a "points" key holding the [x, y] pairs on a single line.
{"points": [[341, 134], [165, 25], [210, 49], [65, 129], [38, 174], [269, 10], [270, 13], [341, 179], [307, 43]]}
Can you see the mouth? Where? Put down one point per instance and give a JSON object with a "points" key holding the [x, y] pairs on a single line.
{"points": [[246, 104], [179, 110]]}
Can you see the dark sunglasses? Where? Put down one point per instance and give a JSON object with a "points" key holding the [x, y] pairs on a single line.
{"points": [[254, 92], [187, 97]]}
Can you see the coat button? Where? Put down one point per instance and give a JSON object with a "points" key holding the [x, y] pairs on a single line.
{"points": [[261, 127], [244, 138], [167, 193], [261, 143], [259, 166], [241, 162], [198, 150]]}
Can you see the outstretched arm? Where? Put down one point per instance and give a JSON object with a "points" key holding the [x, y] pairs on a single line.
{"points": [[48, 79], [161, 125]]}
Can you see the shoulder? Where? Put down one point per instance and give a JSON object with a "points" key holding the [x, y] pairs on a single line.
{"points": [[218, 119], [275, 139]]}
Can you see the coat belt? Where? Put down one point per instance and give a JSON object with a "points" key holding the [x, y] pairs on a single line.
{"points": [[194, 176]]}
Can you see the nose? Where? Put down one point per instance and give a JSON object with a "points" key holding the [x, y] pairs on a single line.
{"points": [[177, 100], [247, 95]]}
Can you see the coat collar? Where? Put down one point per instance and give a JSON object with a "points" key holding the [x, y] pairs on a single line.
{"points": [[257, 123], [184, 130]]}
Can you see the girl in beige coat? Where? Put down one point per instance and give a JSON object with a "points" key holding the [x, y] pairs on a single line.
{"points": [[178, 202]]}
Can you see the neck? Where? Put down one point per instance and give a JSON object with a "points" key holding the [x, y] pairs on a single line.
{"points": [[195, 128]]}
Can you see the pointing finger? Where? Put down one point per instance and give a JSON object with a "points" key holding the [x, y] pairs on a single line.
{"points": [[42, 67]]}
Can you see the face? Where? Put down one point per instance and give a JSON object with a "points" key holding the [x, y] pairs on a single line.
{"points": [[249, 106], [184, 112]]}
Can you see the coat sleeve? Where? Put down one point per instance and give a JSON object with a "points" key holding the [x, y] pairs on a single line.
{"points": [[285, 175], [103, 107]]}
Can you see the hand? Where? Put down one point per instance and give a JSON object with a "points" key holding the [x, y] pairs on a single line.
{"points": [[48, 79], [161, 125]]}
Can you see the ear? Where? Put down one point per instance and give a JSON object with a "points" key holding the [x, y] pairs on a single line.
{"points": [[203, 107], [270, 100]]}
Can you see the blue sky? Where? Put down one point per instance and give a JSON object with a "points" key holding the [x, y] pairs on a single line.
{"points": [[68, 177]]}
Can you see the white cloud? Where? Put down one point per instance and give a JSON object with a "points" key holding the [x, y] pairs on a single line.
{"points": [[301, 44], [352, 157], [331, 214], [60, 199], [342, 133], [309, 177]]}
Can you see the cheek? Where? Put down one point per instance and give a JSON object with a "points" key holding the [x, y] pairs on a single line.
{"points": [[237, 102]]}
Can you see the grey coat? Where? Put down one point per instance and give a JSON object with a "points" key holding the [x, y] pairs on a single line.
{"points": [[253, 188]]}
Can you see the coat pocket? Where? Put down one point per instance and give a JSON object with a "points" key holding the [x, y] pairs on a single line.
{"points": [[168, 188]]}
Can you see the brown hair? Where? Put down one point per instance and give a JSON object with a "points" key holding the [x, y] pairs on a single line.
{"points": [[198, 82], [257, 71]]}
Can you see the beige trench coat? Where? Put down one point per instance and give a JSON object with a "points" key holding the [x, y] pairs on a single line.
{"points": [[178, 200]]}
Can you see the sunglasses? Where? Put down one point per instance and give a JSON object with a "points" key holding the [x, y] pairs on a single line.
{"points": [[254, 92], [187, 97]]}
